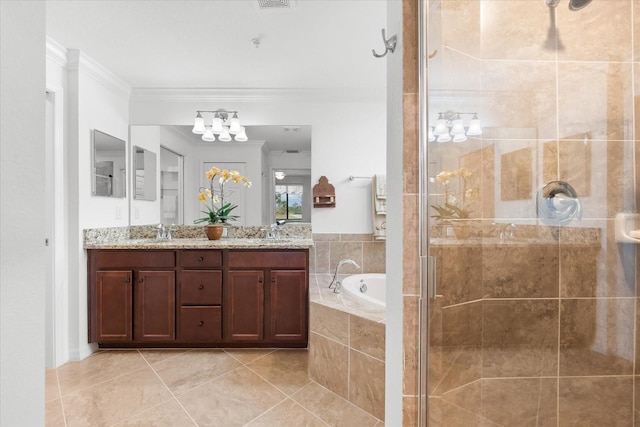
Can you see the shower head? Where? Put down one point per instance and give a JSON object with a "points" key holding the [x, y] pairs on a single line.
{"points": [[578, 4], [573, 4]]}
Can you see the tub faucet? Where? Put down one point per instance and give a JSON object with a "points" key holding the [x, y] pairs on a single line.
{"points": [[335, 283]]}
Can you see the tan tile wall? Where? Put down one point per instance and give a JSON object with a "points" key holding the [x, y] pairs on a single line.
{"points": [[549, 332], [330, 248], [347, 356]]}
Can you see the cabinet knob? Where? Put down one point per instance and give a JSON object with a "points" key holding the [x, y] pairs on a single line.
{"points": [[201, 258], [201, 323], [273, 280], [141, 280], [201, 287], [127, 280], [260, 280]]}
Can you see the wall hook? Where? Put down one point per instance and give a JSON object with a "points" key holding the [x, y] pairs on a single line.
{"points": [[389, 44]]}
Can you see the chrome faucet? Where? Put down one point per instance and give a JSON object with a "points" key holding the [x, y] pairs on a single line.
{"points": [[335, 283], [507, 232], [165, 233]]}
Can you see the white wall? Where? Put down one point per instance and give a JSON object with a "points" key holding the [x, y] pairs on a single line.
{"points": [[394, 244], [96, 100], [22, 227], [349, 136]]}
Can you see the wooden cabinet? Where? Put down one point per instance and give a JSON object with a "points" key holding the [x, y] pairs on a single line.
{"points": [[113, 294], [131, 296], [268, 296], [155, 306], [198, 298], [244, 305]]}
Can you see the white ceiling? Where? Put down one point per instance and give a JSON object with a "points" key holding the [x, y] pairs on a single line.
{"points": [[207, 43]]}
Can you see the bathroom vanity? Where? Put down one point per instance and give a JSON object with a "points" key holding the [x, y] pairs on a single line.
{"points": [[199, 293]]}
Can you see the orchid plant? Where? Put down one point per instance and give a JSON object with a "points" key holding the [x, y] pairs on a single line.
{"points": [[213, 196], [452, 207]]}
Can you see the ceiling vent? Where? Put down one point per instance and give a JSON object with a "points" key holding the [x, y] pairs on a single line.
{"points": [[275, 4]]}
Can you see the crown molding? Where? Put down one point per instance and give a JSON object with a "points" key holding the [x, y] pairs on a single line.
{"points": [[258, 94], [77, 60], [56, 52]]}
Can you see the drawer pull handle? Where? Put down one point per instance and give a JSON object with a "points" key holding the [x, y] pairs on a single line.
{"points": [[201, 323], [201, 258], [201, 287]]}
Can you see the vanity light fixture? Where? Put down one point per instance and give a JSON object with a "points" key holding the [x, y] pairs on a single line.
{"points": [[279, 175], [450, 127], [224, 124]]}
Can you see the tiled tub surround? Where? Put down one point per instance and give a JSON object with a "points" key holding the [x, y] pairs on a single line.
{"points": [[347, 346], [330, 248]]}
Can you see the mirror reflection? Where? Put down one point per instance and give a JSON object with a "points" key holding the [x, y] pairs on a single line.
{"points": [[109, 165], [144, 166], [269, 148]]}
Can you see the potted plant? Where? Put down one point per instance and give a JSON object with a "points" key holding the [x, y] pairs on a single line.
{"points": [[218, 212], [454, 208]]}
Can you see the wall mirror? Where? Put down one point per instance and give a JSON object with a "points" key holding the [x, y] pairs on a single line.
{"points": [[144, 167], [109, 172]]}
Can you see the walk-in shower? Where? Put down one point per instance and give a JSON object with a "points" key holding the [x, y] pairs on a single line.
{"points": [[527, 318]]}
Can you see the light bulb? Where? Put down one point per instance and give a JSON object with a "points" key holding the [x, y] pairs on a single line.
{"points": [[459, 138], [458, 127], [198, 127], [208, 135], [217, 127], [474, 127], [432, 137], [224, 136], [234, 124], [441, 126], [445, 137], [242, 135]]}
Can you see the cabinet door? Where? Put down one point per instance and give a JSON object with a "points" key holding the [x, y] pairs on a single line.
{"points": [[244, 305], [155, 306], [113, 311], [288, 305]]}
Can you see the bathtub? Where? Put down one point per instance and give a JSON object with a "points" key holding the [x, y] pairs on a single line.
{"points": [[374, 291]]}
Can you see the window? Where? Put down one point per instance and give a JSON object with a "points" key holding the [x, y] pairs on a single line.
{"points": [[289, 202]]}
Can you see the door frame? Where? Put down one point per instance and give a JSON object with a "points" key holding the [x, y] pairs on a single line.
{"points": [[57, 350]]}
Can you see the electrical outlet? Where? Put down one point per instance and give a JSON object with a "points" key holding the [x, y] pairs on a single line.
{"points": [[136, 212], [118, 212]]}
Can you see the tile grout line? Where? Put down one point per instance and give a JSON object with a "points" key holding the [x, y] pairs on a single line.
{"points": [[64, 415], [169, 390]]}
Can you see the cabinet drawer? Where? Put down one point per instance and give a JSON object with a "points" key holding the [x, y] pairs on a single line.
{"points": [[135, 259], [200, 324], [201, 287], [200, 258], [268, 259]]}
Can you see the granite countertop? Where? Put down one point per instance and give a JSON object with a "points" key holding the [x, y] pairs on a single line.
{"points": [[203, 243]]}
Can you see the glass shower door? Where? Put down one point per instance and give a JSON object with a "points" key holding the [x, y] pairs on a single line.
{"points": [[529, 172]]}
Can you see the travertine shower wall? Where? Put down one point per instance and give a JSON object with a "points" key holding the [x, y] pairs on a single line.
{"points": [[550, 321]]}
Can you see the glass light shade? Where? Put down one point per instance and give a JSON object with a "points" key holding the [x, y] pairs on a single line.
{"points": [[217, 127], [432, 137], [458, 127], [441, 127], [208, 135], [242, 135], [198, 126], [459, 138], [474, 128], [225, 136], [234, 124], [445, 137], [280, 175]]}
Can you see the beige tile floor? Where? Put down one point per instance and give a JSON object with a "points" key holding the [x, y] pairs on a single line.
{"points": [[211, 387]]}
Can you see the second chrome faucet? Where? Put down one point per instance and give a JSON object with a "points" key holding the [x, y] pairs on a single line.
{"points": [[335, 284]]}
